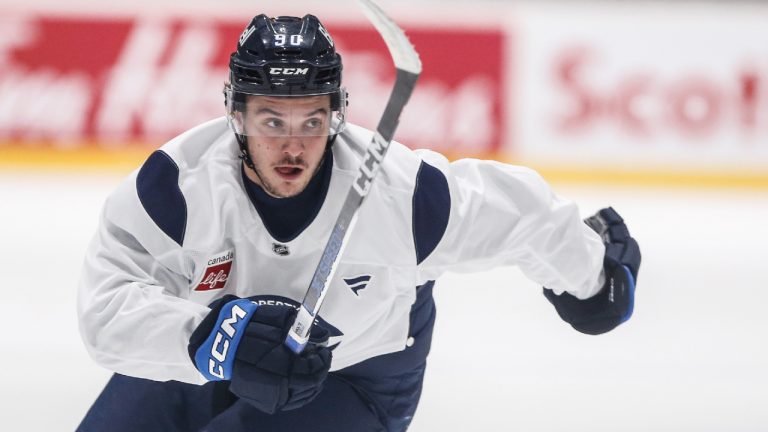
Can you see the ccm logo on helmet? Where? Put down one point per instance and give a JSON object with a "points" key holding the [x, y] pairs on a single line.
{"points": [[220, 346], [288, 71]]}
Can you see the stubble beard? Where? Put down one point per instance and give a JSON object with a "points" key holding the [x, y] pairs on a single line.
{"points": [[272, 190]]}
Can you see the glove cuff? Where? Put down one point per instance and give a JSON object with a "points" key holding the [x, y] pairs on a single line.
{"points": [[611, 306]]}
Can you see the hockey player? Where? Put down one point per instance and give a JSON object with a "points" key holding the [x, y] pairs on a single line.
{"points": [[203, 255]]}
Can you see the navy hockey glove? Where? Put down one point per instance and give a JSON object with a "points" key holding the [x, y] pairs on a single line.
{"points": [[615, 302], [244, 342]]}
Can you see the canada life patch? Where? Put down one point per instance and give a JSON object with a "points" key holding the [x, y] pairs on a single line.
{"points": [[217, 272]]}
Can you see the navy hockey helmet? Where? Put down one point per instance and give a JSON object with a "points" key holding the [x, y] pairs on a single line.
{"points": [[285, 56]]}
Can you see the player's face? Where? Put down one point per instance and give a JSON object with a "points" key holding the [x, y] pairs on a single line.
{"points": [[286, 139]]}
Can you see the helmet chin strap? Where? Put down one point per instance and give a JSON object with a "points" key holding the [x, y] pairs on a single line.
{"points": [[244, 154]]}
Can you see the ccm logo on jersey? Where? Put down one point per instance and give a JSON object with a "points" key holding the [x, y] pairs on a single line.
{"points": [[288, 71], [217, 272]]}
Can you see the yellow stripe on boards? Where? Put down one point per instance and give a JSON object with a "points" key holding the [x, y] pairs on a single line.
{"points": [[84, 158], [705, 179], [126, 158]]}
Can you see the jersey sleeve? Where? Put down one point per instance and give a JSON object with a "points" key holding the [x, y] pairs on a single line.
{"points": [[501, 214], [133, 313]]}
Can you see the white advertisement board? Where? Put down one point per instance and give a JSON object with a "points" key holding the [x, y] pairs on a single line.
{"points": [[653, 86]]}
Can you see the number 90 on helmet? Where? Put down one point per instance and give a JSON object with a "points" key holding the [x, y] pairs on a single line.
{"points": [[285, 57]]}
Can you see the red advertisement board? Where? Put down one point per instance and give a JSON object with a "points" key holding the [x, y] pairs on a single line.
{"points": [[69, 82]]}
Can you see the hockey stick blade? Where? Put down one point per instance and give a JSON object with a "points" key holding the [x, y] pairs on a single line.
{"points": [[408, 66], [403, 54]]}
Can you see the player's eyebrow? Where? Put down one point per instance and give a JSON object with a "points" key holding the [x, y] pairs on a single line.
{"points": [[269, 111], [317, 111]]}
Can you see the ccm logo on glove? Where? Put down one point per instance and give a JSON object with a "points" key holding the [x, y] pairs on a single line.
{"points": [[212, 354]]}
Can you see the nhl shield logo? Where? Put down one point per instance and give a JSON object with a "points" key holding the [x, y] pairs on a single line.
{"points": [[280, 249], [217, 272]]}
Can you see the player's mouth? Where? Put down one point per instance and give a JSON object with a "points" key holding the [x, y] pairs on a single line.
{"points": [[289, 172]]}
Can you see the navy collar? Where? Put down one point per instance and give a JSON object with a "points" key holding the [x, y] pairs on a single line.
{"points": [[286, 218]]}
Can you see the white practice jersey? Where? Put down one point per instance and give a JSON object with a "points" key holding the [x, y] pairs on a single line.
{"points": [[181, 232]]}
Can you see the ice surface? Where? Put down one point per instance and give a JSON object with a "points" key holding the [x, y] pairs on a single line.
{"points": [[693, 358]]}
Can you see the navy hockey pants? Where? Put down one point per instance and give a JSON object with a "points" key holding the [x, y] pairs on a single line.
{"points": [[346, 403]]}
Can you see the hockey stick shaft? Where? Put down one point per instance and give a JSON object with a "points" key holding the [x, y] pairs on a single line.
{"points": [[408, 69]]}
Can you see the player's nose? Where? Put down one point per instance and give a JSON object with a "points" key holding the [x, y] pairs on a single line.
{"points": [[293, 146]]}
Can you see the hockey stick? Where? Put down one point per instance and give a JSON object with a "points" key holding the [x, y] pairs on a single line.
{"points": [[408, 66]]}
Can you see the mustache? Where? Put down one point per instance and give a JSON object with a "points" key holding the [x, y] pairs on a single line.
{"points": [[293, 161]]}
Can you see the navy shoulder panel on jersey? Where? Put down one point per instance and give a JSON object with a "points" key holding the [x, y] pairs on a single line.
{"points": [[431, 208], [158, 187]]}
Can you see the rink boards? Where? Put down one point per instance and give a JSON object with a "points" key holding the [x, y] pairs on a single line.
{"points": [[645, 93]]}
